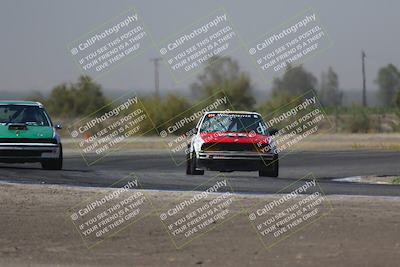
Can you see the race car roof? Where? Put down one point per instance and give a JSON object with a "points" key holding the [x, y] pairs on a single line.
{"points": [[233, 112], [18, 102]]}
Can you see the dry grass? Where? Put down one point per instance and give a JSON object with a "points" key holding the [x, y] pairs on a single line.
{"points": [[317, 142]]}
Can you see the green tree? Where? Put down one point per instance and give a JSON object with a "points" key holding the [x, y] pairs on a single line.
{"points": [[398, 100], [224, 73], [358, 120], [329, 90], [388, 81], [88, 96], [168, 107], [295, 81], [61, 101], [76, 99], [166, 111], [275, 102], [398, 105]]}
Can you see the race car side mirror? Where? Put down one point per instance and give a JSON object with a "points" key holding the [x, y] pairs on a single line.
{"points": [[273, 131], [58, 126]]}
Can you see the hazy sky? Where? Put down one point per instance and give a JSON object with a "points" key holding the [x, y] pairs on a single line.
{"points": [[34, 36]]}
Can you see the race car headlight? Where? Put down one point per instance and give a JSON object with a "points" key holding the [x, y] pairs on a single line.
{"points": [[197, 143]]}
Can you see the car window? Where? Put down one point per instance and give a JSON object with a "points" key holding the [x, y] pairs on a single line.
{"points": [[237, 123], [30, 115]]}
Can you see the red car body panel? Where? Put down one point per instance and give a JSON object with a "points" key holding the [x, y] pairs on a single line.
{"points": [[235, 138]]}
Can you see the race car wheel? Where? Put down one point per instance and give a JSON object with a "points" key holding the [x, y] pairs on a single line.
{"points": [[53, 164], [191, 168], [188, 167], [271, 170]]}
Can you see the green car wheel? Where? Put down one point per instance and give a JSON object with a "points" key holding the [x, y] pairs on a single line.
{"points": [[53, 164]]}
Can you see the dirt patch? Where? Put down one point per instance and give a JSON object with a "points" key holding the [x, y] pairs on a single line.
{"points": [[36, 231], [390, 180]]}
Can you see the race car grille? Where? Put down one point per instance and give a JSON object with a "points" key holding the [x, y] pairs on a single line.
{"points": [[234, 147], [28, 140], [228, 147]]}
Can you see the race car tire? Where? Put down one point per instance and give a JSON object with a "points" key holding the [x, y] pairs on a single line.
{"points": [[191, 168], [53, 164], [271, 170], [188, 167]]}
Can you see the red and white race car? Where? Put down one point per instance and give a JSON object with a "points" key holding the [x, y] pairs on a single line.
{"points": [[232, 141]]}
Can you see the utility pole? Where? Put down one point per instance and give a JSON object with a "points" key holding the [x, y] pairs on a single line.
{"points": [[364, 93], [156, 76]]}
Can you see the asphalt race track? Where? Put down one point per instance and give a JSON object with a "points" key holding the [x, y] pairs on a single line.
{"points": [[156, 170]]}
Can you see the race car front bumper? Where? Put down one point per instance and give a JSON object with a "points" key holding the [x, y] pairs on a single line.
{"points": [[29, 152], [233, 160]]}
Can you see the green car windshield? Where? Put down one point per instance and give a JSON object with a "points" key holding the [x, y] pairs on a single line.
{"points": [[29, 115], [237, 123]]}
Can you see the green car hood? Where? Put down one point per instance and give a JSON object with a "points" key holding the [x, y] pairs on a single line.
{"points": [[33, 132]]}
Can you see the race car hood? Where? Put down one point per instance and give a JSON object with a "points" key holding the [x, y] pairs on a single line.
{"points": [[237, 138], [31, 132]]}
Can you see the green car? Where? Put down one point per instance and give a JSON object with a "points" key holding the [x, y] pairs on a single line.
{"points": [[28, 135]]}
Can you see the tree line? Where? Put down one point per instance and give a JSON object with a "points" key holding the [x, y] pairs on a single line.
{"points": [[84, 97]]}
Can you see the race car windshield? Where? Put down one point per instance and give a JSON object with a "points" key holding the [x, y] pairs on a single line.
{"points": [[233, 123], [29, 115]]}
